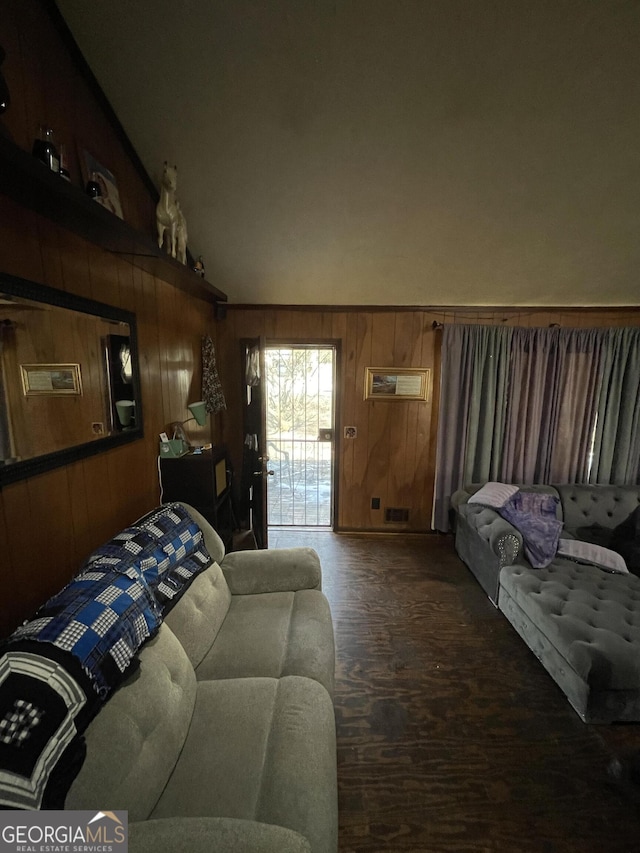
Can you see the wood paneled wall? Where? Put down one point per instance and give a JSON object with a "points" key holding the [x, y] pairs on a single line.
{"points": [[393, 456], [50, 523]]}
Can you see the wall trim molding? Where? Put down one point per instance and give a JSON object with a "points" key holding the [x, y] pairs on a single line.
{"points": [[442, 309]]}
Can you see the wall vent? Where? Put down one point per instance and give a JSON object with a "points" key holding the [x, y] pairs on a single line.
{"points": [[396, 514]]}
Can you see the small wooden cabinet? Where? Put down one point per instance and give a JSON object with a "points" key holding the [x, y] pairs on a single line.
{"points": [[202, 480]]}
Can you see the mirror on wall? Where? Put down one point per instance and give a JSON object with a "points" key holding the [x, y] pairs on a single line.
{"points": [[69, 378]]}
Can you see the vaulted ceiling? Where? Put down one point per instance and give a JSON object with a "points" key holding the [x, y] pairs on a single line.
{"points": [[388, 152]]}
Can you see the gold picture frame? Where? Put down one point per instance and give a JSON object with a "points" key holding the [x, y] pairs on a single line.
{"points": [[397, 383], [51, 380]]}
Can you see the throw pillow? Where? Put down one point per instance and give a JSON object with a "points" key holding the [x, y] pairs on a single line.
{"points": [[493, 494], [592, 555]]}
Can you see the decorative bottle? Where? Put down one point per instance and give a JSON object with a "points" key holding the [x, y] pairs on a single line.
{"points": [[45, 150], [64, 169]]}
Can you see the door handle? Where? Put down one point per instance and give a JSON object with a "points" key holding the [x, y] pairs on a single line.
{"points": [[265, 473]]}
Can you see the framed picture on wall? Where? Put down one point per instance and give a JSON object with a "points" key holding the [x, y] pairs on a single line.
{"points": [[92, 170], [52, 380], [397, 383]]}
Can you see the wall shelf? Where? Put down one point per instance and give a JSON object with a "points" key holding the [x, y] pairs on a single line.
{"points": [[29, 182]]}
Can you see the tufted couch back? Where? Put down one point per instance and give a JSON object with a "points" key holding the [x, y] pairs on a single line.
{"points": [[592, 512]]}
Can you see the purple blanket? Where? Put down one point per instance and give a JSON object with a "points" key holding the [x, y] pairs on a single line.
{"points": [[534, 515]]}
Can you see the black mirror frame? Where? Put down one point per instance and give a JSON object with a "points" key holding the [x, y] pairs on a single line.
{"points": [[26, 468]]}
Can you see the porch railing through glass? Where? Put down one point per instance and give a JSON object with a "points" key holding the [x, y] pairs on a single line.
{"points": [[299, 407], [299, 492]]}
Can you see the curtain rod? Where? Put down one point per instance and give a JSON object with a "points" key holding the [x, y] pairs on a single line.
{"points": [[436, 325]]}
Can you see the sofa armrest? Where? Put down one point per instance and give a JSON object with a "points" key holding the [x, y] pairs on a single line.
{"points": [[279, 570], [219, 834], [459, 497], [503, 538]]}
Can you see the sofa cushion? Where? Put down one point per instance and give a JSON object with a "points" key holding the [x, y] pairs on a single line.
{"points": [[209, 834], [591, 617], [134, 742], [274, 634], [277, 570], [197, 617], [260, 749]]}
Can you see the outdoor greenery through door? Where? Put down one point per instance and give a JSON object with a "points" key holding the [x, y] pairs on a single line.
{"points": [[299, 434]]}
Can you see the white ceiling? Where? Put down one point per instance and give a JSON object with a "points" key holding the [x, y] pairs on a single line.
{"points": [[388, 152]]}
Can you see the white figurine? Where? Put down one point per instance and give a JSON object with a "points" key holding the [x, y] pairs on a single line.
{"points": [[167, 208], [181, 235]]}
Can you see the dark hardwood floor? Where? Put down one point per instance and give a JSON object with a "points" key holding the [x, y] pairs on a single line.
{"points": [[451, 735]]}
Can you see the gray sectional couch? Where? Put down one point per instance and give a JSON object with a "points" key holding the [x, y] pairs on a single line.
{"points": [[582, 622], [222, 736]]}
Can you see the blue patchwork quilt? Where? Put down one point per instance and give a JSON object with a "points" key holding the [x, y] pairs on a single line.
{"points": [[166, 548]]}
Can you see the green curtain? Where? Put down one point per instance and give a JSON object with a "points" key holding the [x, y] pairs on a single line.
{"points": [[616, 450], [487, 409], [522, 405]]}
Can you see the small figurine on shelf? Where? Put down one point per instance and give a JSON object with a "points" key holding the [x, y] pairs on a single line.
{"points": [[181, 235], [198, 267], [166, 209]]}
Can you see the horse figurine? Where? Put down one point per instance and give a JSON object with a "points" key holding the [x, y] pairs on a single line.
{"points": [[167, 208], [181, 236]]}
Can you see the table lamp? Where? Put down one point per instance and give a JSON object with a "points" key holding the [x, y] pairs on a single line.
{"points": [[199, 412]]}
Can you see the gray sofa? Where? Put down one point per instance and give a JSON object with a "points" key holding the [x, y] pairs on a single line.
{"points": [[583, 623], [223, 738]]}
